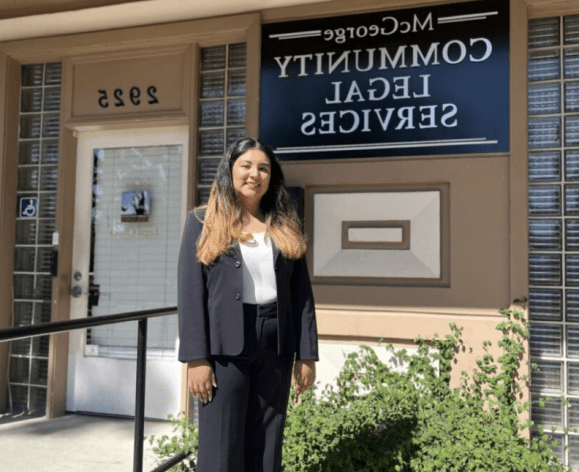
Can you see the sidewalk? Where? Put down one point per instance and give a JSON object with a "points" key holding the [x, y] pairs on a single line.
{"points": [[74, 443]]}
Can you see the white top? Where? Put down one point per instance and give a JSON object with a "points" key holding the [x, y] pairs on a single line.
{"points": [[259, 285]]}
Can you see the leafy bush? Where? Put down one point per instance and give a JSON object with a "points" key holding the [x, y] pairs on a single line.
{"points": [[381, 420], [185, 440]]}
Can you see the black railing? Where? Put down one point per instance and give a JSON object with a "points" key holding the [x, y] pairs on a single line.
{"points": [[42, 329]]}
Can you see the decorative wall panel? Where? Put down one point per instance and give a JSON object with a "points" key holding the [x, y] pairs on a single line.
{"points": [[396, 235]]}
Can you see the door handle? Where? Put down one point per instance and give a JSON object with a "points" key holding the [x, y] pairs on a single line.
{"points": [[76, 290], [93, 293]]}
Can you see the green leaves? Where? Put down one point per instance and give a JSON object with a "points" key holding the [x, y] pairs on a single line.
{"points": [[382, 420], [184, 440]]}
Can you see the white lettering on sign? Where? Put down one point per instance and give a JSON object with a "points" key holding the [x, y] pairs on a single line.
{"points": [[376, 89], [382, 91], [403, 118], [390, 26], [134, 231], [414, 55]]}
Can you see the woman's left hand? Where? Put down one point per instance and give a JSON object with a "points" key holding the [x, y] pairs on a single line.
{"points": [[304, 375]]}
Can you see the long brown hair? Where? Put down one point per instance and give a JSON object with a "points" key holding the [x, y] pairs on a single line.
{"points": [[223, 216]]}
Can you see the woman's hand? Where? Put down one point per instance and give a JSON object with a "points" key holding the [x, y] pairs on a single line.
{"points": [[201, 379], [304, 375]]}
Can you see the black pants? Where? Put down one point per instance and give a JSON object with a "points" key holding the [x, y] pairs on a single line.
{"points": [[241, 430]]}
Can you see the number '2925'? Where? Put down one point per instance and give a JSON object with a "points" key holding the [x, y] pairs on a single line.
{"points": [[118, 99]]}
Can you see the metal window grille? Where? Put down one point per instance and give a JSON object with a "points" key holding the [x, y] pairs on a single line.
{"points": [[36, 191], [553, 139], [221, 104]]}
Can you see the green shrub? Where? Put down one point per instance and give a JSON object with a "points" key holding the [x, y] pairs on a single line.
{"points": [[185, 440], [378, 419]]}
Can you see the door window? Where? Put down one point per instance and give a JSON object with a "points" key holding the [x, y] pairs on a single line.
{"points": [[135, 229]]}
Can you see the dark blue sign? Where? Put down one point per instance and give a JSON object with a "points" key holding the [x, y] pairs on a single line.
{"points": [[28, 208], [420, 81]]}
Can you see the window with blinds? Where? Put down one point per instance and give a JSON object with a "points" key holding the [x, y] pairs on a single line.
{"points": [[221, 109], [553, 140], [37, 181], [134, 264]]}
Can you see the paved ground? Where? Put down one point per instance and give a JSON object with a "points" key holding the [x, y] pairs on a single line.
{"points": [[74, 443]]}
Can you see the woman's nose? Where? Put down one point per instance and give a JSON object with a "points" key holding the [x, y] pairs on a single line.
{"points": [[253, 172]]}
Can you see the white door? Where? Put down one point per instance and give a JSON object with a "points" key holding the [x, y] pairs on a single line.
{"points": [[130, 207]]}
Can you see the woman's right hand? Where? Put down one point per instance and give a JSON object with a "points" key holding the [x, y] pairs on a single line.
{"points": [[201, 379]]}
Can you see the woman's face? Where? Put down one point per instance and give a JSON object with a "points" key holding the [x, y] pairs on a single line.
{"points": [[251, 174]]}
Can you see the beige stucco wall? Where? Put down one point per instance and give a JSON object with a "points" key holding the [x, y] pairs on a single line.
{"points": [[479, 254], [10, 71]]}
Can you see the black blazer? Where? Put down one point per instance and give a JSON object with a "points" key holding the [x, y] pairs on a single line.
{"points": [[210, 301]]}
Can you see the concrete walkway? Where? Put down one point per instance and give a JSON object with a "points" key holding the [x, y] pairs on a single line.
{"points": [[75, 443]]}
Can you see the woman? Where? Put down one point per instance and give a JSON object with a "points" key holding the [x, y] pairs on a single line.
{"points": [[246, 312]]}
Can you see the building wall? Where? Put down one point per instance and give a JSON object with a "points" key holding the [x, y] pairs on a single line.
{"points": [[8, 178], [488, 239], [487, 245]]}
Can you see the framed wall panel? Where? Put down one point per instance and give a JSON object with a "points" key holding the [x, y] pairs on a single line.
{"points": [[387, 235]]}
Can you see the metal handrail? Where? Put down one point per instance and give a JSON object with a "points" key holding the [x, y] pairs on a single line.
{"points": [[171, 462], [53, 327]]}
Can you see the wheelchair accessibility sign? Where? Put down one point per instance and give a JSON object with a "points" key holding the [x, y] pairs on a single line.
{"points": [[28, 207]]}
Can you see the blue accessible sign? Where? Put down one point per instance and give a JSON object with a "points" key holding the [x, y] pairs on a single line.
{"points": [[421, 81], [28, 208]]}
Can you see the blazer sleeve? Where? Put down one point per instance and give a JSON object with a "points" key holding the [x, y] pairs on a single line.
{"points": [[192, 295], [304, 312]]}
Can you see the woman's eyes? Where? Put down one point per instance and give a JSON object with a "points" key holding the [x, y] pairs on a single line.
{"points": [[261, 169]]}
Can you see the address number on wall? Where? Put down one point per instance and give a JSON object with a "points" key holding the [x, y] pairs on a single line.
{"points": [[134, 97]]}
